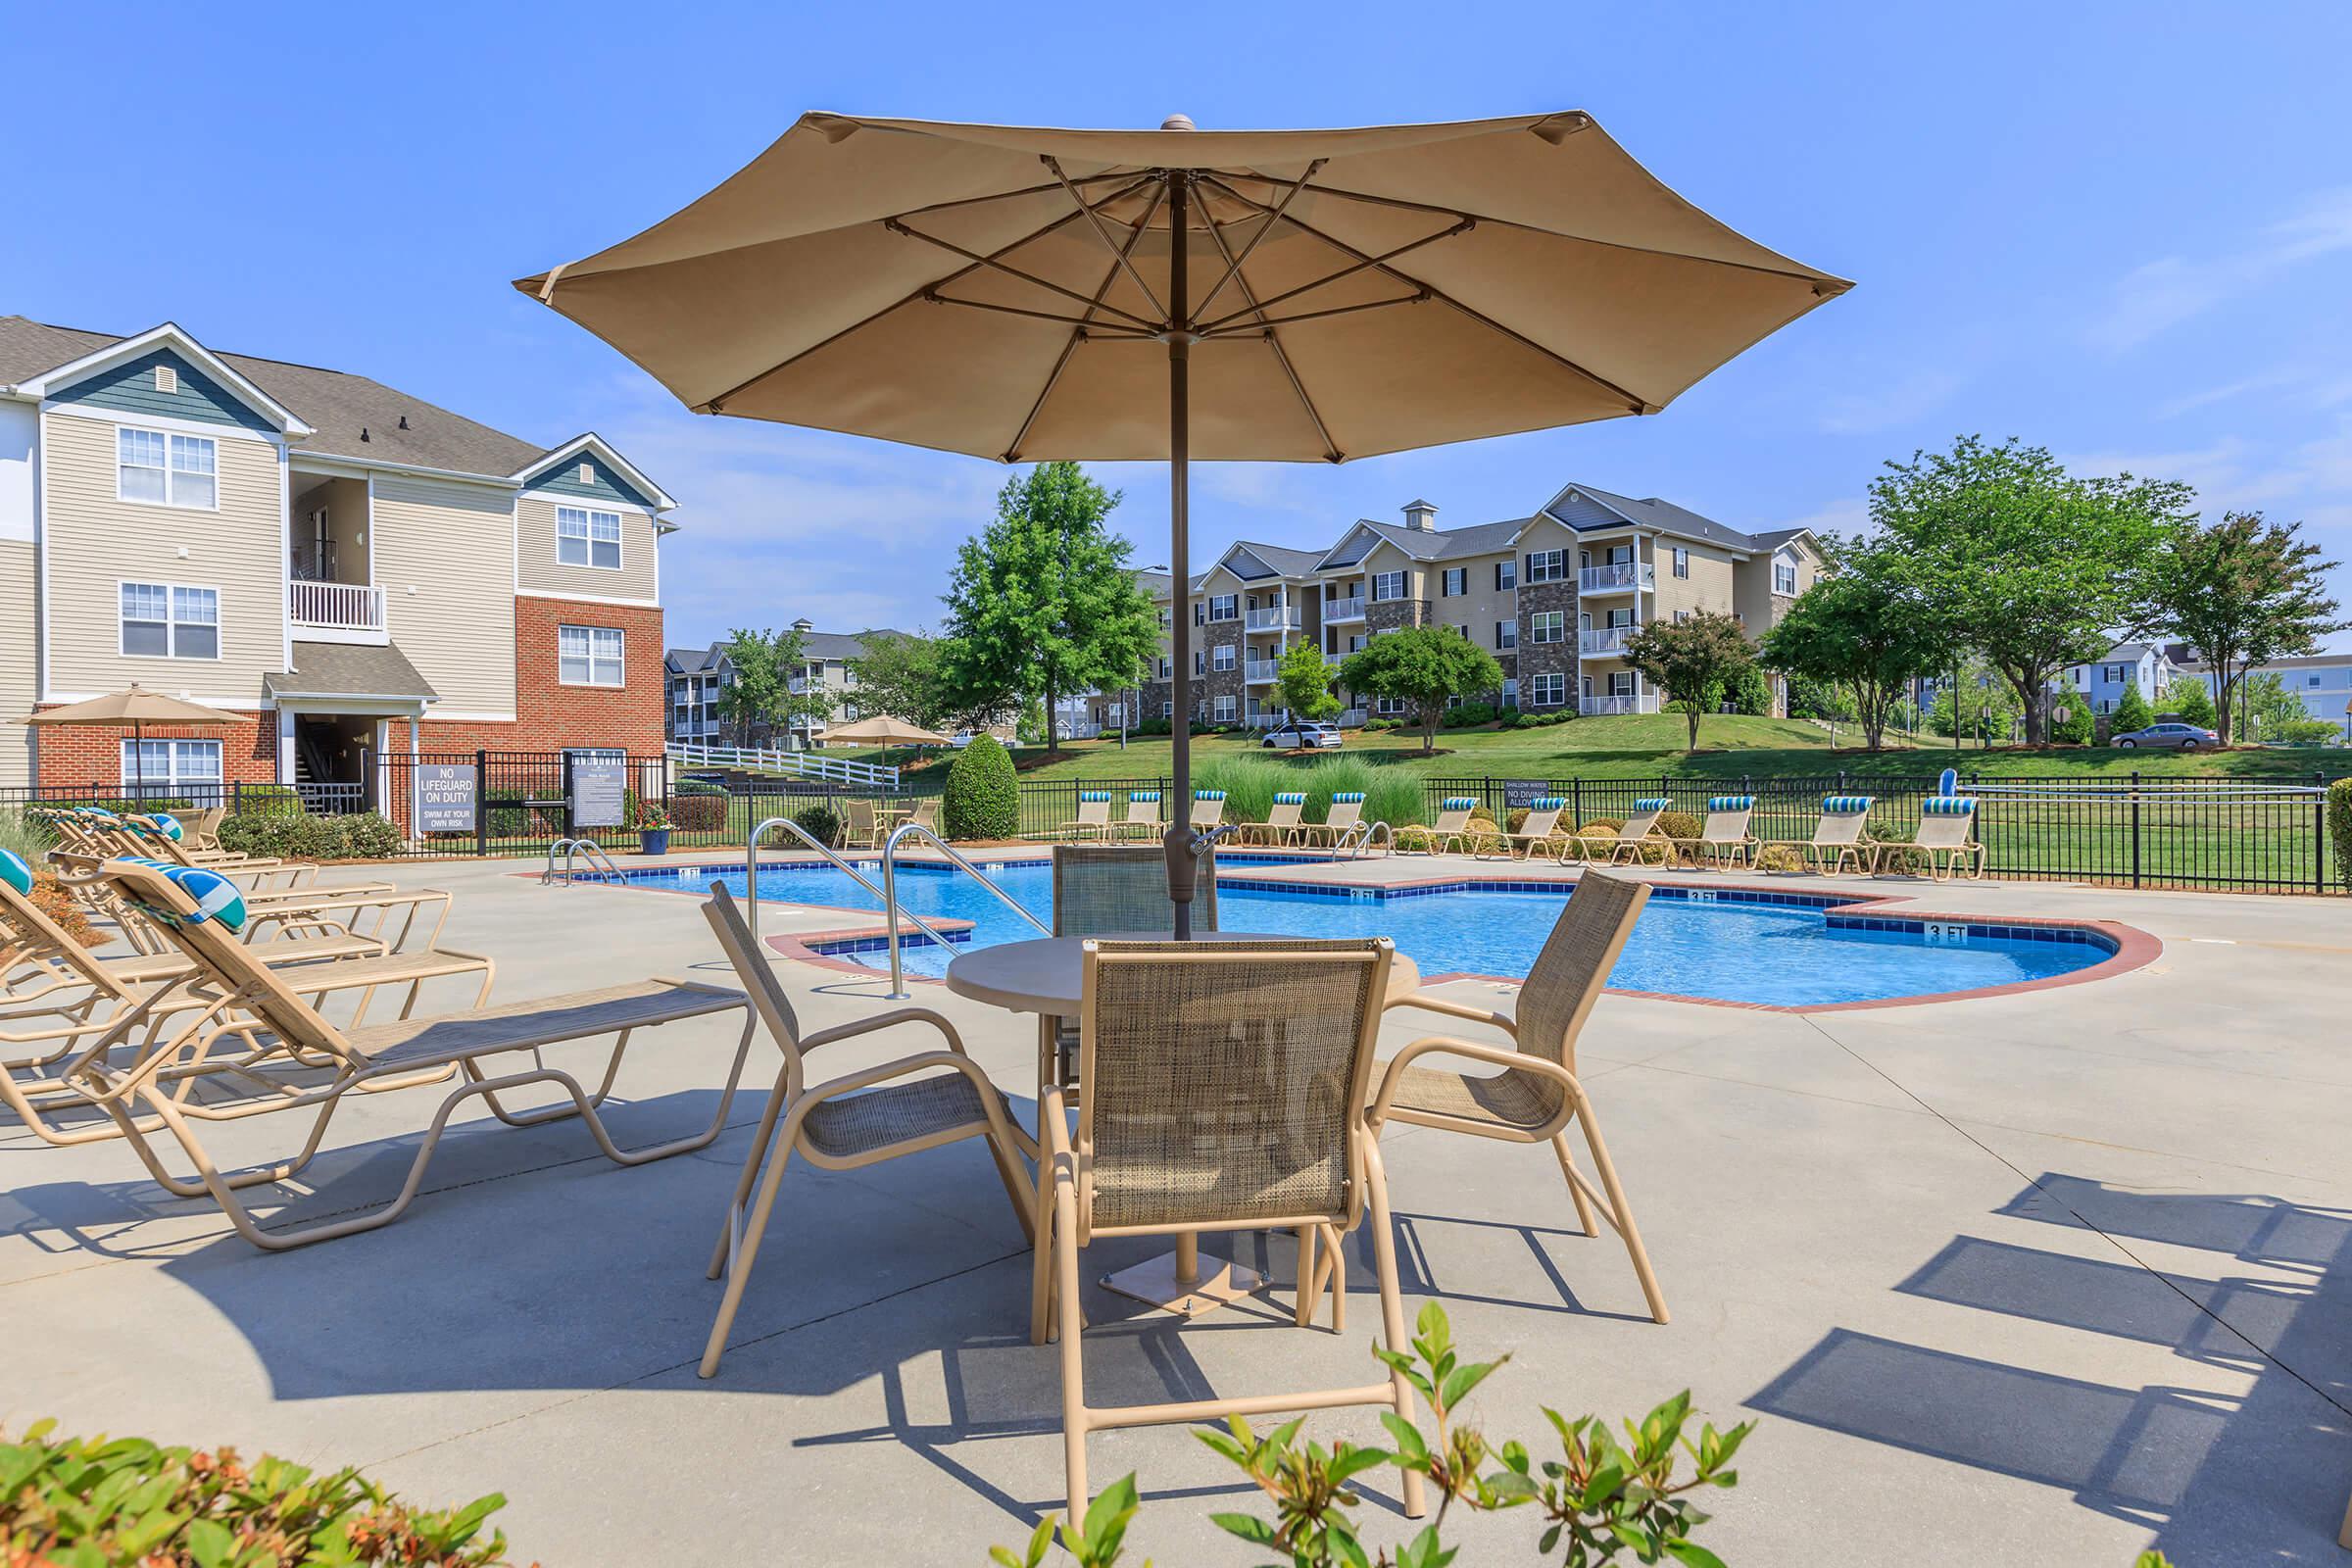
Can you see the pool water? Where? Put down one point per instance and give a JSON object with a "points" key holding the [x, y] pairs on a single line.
{"points": [[1777, 950]]}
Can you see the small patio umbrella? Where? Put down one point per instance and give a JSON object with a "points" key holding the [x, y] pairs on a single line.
{"points": [[883, 731], [1296, 296], [138, 708]]}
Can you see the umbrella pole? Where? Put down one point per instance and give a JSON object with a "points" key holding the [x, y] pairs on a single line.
{"points": [[1183, 868]]}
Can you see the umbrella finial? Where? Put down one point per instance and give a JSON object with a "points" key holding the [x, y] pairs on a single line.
{"points": [[1178, 123]]}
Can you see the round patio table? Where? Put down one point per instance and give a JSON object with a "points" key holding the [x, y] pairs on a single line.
{"points": [[1044, 976]]}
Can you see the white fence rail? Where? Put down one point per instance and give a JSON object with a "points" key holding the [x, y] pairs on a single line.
{"points": [[339, 606], [795, 764]]}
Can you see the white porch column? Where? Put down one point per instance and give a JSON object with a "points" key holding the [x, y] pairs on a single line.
{"points": [[286, 746]]}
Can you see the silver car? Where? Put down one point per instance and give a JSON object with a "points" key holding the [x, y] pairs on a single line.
{"points": [[2181, 737], [1311, 733]]}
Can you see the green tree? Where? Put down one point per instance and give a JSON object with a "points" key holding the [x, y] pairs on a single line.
{"points": [[1749, 691], [757, 699], [1987, 708], [983, 797], [1304, 682], [1863, 627], [2030, 565], [2070, 721], [2264, 699], [1421, 666], [1042, 601], [2241, 592], [899, 675], [2132, 711], [2190, 702], [1691, 661]]}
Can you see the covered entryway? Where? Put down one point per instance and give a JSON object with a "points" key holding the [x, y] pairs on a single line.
{"points": [[339, 708]]}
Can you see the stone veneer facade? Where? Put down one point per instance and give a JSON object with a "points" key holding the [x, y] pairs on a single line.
{"points": [[1542, 658]]}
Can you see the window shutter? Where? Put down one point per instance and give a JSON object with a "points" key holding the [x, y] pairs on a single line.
{"points": [[1200, 614]]}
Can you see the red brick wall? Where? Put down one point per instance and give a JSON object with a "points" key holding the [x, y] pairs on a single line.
{"points": [[78, 758], [550, 716]]}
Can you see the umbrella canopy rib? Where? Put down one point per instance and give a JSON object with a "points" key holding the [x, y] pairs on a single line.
{"points": [[1078, 334], [1282, 357], [1233, 263], [1103, 234]]}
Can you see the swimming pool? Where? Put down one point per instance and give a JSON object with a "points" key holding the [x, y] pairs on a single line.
{"points": [[1765, 948]]}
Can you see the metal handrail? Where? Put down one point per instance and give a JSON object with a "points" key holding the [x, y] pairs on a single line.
{"points": [[890, 906], [890, 889], [1356, 842], [595, 854]]}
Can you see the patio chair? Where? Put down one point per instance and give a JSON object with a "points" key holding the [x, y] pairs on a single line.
{"points": [[1142, 817], [1536, 1098], [1629, 840], [256, 1035], [203, 828], [1094, 817], [1282, 824], [925, 814], [1533, 834], [1223, 1093], [873, 1114], [860, 824], [1208, 811], [1945, 836], [1839, 835], [1453, 828], [1724, 840], [1123, 889], [1346, 815], [159, 828]]}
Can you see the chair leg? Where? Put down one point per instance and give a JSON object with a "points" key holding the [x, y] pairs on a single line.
{"points": [[739, 1271], [1309, 1280], [1073, 1364], [1620, 1211], [751, 1160], [1576, 1190], [1392, 1305]]}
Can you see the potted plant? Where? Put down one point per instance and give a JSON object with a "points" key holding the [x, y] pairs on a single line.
{"points": [[653, 830]]}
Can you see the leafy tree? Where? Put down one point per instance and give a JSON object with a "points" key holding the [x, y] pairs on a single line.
{"points": [[2070, 721], [2190, 702], [1864, 627], [759, 698], [2266, 709], [1749, 691], [2132, 711], [900, 674], [1042, 603], [2031, 565], [2241, 592], [1691, 661], [1421, 666], [1986, 707], [1304, 682], [1810, 697]]}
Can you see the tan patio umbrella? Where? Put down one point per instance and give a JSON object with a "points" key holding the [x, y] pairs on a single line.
{"points": [[883, 731], [1302, 295], [138, 708]]}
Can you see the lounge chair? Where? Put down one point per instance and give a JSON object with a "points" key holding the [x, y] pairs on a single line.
{"points": [[1536, 1098], [862, 1117], [1094, 817], [1944, 837], [1453, 828], [1208, 811], [1534, 832], [1839, 835], [1629, 840], [1282, 824], [1346, 813], [1143, 818], [1223, 1093], [925, 814], [203, 828], [256, 1035], [1724, 840]]}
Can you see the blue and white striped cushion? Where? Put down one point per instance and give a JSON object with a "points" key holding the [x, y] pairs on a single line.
{"points": [[1548, 802], [1453, 802], [1947, 806], [1348, 797], [1845, 805], [1208, 795], [216, 896], [15, 872], [1289, 798], [1732, 803], [1656, 802], [168, 825], [1094, 797], [1143, 794]]}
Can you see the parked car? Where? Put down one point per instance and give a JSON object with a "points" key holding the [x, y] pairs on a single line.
{"points": [[1312, 732], [2179, 736]]}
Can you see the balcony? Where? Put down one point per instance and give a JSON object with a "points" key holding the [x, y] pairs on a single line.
{"points": [[1618, 577], [1284, 617], [336, 612], [1600, 707], [1351, 718], [1604, 639], [1340, 610], [1259, 671]]}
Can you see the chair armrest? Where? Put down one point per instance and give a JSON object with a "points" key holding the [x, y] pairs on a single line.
{"points": [[1455, 1010], [1447, 1044], [881, 1021]]}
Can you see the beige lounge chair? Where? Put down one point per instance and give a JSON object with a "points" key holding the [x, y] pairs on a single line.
{"points": [[1208, 811], [1093, 820], [1840, 836], [203, 828], [1944, 836], [1724, 840], [259, 1039], [1627, 843], [1143, 819], [1452, 829], [860, 1118], [927, 814], [1223, 1093], [1533, 834], [1346, 813], [1536, 1098], [1282, 825]]}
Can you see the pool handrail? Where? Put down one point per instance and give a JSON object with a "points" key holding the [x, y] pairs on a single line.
{"points": [[1356, 842], [596, 856], [890, 906], [890, 889]]}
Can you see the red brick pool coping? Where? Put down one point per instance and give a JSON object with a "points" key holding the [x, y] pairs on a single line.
{"points": [[2134, 948]]}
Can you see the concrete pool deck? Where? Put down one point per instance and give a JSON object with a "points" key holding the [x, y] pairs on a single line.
{"points": [[2038, 1277]]}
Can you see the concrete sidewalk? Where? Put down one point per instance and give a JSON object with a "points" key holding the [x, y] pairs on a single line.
{"points": [[2043, 1278]]}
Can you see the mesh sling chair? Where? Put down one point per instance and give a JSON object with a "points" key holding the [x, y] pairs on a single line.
{"points": [[1093, 820], [1945, 824], [1724, 840], [1536, 1098], [860, 1118], [1282, 824], [1115, 889], [1630, 842], [1840, 836], [1451, 827], [1533, 834], [1224, 1090], [255, 1036], [1143, 819], [1346, 815]]}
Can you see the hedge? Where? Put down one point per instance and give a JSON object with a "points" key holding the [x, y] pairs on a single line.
{"points": [[983, 801], [2339, 829], [362, 837]]}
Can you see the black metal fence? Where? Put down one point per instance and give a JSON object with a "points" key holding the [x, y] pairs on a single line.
{"points": [[2130, 830], [319, 800]]}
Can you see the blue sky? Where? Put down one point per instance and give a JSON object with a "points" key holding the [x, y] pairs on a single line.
{"points": [[2124, 232]]}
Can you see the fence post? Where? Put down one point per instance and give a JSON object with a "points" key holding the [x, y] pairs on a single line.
{"points": [[1576, 796], [481, 803], [2135, 827], [2319, 831]]}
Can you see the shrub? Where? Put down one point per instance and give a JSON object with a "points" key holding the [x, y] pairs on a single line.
{"points": [[1250, 784], [1467, 714], [2339, 829], [267, 799], [1392, 797], [820, 819], [1780, 858], [700, 811], [983, 802], [26, 837], [1653, 851], [1679, 825], [2132, 711], [362, 837], [1748, 692], [50, 896], [2305, 731], [367, 836], [2074, 724], [125, 1503]]}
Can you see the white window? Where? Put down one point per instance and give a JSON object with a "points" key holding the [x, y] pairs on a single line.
{"points": [[1386, 585], [1222, 658], [1222, 709], [1682, 562], [1167, 707], [1166, 668], [589, 655], [1507, 634], [585, 538], [1455, 581], [1511, 692], [164, 621], [1506, 573], [1549, 690], [1390, 706], [167, 470], [1679, 616], [1546, 565], [1621, 683], [1224, 607], [1784, 578], [162, 769], [1546, 626]]}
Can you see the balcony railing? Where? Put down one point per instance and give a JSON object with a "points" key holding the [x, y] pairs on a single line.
{"points": [[1617, 577], [335, 606], [1349, 608], [1596, 706], [1284, 617], [1604, 639], [1259, 671], [1351, 718]]}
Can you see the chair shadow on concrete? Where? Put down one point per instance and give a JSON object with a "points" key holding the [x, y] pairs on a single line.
{"points": [[2257, 1475]]}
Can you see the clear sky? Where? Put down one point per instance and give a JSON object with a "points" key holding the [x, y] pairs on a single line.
{"points": [[2124, 232]]}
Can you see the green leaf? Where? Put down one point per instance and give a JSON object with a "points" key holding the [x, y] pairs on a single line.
{"points": [[1691, 1552], [209, 1541], [1249, 1527], [1412, 1447], [1463, 1379]]}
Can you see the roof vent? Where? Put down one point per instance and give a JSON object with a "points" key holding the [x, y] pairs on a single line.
{"points": [[362, 433], [804, 625], [404, 421], [587, 473], [166, 379], [1421, 514]]}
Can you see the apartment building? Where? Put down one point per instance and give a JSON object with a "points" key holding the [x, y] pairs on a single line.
{"points": [[1555, 597], [2323, 682], [697, 675], [345, 566], [2141, 667]]}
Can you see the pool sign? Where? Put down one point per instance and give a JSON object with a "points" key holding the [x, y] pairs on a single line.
{"points": [[1518, 794], [446, 797], [598, 787], [1945, 933]]}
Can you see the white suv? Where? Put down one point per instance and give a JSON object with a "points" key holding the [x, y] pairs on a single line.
{"points": [[1314, 732]]}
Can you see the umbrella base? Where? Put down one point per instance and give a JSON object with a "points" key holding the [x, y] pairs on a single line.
{"points": [[1155, 1283]]}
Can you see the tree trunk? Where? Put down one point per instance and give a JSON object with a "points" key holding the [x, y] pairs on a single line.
{"points": [[1690, 712]]}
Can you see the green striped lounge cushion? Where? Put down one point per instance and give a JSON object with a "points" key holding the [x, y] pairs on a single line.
{"points": [[168, 825], [1548, 802], [1454, 803], [1655, 803], [98, 813], [1731, 802], [1348, 797], [1094, 797], [216, 896], [1208, 795], [1143, 794], [1290, 799], [15, 872], [1948, 805], [1845, 805]]}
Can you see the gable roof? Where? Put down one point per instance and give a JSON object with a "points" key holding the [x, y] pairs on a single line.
{"points": [[1651, 512]]}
